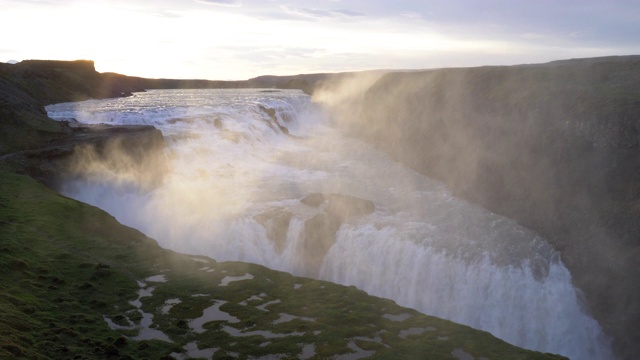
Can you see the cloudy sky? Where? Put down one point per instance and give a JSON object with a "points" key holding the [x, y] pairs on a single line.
{"points": [[240, 39]]}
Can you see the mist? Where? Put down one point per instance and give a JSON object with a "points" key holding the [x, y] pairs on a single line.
{"points": [[334, 187], [553, 146]]}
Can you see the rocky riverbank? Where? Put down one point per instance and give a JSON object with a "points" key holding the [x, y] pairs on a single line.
{"points": [[139, 149]]}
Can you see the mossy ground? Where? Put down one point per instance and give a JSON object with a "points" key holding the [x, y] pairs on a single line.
{"points": [[68, 266]]}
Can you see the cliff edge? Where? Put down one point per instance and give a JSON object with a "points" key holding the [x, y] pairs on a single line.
{"points": [[555, 146]]}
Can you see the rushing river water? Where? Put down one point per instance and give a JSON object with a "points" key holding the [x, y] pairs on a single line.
{"points": [[236, 155]]}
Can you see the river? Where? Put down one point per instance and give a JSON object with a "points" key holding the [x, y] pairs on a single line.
{"points": [[238, 156]]}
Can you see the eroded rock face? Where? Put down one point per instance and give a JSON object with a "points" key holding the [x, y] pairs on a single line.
{"points": [[274, 119], [132, 152], [313, 200], [33, 144], [276, 222], [553, 146], [342, 207], [345, 208], [319, 235], [320, 229]]}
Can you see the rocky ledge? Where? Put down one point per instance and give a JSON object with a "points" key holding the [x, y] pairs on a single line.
{"points": [[138, 149], [332, 210]]}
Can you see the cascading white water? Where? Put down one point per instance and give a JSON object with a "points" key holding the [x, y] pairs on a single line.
{"points": [[236, 154]]}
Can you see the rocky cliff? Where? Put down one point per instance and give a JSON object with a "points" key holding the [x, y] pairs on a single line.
{"points": [[554, 146], [34, 144]]}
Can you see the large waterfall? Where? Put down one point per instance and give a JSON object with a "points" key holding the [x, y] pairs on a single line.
{"points": [[261, 176]]}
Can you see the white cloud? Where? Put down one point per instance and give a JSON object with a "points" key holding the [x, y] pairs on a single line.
{"points": [[319, 13], [233, 3], [198, 38]]}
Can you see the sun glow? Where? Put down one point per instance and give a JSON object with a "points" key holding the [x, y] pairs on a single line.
{"points": [[201, 41], [118, 39], [206, 40]]}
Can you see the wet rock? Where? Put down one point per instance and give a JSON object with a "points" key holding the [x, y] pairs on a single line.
{"points": [[343, 207], [136, 152], [319, 235], [276, 222], [274, 119], [320, 230], [346, 207], [313, 200]]}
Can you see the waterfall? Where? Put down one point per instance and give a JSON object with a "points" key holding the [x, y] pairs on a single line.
{"points": [[261, 177], [508, 301]]}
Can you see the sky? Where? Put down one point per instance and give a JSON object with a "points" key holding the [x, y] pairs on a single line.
{"points": [[241, 39]]}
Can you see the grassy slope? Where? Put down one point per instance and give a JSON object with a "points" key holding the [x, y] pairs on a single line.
{"points": [[23, 122], [67, 264]]}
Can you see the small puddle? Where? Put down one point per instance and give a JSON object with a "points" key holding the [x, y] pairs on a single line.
{"points": [[212, 313], [228, 279]]}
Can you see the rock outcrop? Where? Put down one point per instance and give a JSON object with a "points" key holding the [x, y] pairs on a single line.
{"points": [[555, 146], [333, 210], [132, 152], [23, 120], [33, 144]]}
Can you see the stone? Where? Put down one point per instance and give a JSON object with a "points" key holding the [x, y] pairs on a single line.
{"points": [[276, 223]]}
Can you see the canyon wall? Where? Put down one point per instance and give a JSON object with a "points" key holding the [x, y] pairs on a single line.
{"points": [[554, 146]]}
